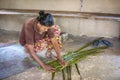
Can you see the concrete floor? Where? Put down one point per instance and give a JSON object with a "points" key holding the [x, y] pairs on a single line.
{"points": [[104, 66]]}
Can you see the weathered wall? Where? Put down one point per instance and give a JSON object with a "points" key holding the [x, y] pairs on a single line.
{"points": [[41, 4], [13, 22], [100, 6], [90, 27], [74, 26]]}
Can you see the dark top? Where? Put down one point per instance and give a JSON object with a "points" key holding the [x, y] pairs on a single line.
{"points": [[29, 33]]}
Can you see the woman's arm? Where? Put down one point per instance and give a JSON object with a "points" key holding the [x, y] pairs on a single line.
{"points": [[57, 49], [31, 51]]}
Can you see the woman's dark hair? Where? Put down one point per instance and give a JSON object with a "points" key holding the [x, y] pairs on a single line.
{"points": [[45, 19]]}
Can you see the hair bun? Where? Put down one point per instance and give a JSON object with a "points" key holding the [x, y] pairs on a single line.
{"points": [[41, 14], [45, 19]]}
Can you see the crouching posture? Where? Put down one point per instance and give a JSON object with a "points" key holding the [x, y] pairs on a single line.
{"points": [[40, 33]]}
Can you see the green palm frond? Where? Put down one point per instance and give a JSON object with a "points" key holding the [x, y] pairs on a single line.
{"points": [[73, 57]]}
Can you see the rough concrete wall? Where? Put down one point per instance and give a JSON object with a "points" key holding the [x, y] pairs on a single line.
{"points": [[102, 6], [74, 26], [90, 27], [65, 5], [12, 22]]}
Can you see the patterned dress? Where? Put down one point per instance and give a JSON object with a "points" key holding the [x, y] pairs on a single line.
{"points": [[40, 45]]}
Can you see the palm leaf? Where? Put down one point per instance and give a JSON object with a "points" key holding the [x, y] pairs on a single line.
{"points": [[63, 74], [72, 57], [88, 44], [53, 76]]}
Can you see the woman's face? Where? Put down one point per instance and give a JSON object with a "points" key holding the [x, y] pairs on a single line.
{"points": [[41, 28]]}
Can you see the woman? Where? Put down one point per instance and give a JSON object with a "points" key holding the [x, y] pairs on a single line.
{"points": [[40, 33]]}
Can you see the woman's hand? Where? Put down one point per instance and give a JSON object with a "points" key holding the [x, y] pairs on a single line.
{"points": [[49, 68], [62, 62]]}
